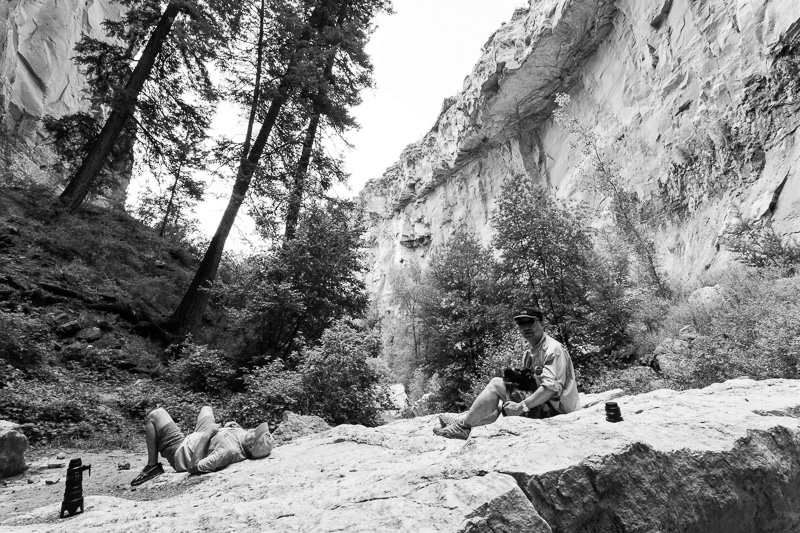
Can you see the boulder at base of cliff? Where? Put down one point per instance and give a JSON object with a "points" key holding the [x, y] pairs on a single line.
{"points": [[724, 459], [295, 426], [12, 449]]}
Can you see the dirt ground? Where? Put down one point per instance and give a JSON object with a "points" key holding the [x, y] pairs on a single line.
{"points": [[24, 492]]}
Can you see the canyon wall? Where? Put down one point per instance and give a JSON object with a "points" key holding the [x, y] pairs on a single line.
{"points": [[698, 101], [39, 79]]}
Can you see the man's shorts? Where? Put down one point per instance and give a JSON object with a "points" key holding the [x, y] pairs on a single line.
{"points": [[170, 437]]}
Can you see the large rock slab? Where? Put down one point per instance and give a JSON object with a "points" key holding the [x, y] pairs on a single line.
{"points": [[12, 449], [722, 459]]}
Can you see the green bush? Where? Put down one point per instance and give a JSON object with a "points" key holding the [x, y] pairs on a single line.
{"points": [[58, 412], [270, 391], [342, 377], [754, 331], [750, 327], [202, 369], [633, 380], [138, 399]]}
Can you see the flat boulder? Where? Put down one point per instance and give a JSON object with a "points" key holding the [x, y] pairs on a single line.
{"points": [[724, 459], [12, 449]]}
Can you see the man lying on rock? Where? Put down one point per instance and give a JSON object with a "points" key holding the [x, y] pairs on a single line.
{"points": [[554, 388], [208, 449]]}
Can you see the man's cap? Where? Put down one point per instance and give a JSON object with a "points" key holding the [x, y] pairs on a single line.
{"points": [[529, 312]]}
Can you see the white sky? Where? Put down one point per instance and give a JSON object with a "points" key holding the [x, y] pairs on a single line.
{"points": [[421, 55]]}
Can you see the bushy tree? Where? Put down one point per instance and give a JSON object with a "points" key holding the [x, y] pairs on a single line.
{"points": [[291, 296], [759, 245], [548, 259], [403, 332], [340, 379], [462, 314], [344, 382]]}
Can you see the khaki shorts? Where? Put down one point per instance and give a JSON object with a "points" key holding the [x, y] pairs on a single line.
{"points": [[170, 437]]}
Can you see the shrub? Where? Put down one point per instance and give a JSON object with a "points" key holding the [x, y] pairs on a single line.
{"points": [[342, 378], [505, 353], [750, 328], [57, 412], [202, 369], [753, 332], [633, 380], [270, 391], [760, 246]]}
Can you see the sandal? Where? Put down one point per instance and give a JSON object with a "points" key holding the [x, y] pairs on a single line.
{"points": [[148, 472]]}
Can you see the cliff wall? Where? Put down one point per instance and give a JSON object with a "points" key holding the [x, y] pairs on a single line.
{"points": [[38, 77], [697, 100]]}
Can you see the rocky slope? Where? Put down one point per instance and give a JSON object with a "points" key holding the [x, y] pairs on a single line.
{"points": [[37, 75], [697, 100], [721, 459]]}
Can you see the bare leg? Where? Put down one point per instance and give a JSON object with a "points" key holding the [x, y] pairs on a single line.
{"points": [[486, 407], [202, 417], [155, 420]]}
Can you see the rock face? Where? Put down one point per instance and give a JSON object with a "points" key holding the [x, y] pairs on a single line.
{"points": [[723, 459], [697, 101], [12, 449], [38, 77]]}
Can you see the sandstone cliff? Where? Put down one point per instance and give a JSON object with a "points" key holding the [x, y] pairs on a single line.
{"points": [[38, 77], [697, 100], [723, 459]]}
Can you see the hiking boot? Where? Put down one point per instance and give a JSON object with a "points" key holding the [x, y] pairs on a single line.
{"points": [[148, 472], [457, 430], [445, 419]]}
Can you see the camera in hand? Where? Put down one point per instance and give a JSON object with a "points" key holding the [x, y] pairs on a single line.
{"points": [[522, 378]]}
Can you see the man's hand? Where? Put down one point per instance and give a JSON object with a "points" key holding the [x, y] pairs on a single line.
{"points": [[513, 408]]}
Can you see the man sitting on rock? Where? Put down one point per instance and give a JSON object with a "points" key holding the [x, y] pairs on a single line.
{"points": [[208, 449], [556, 391]]}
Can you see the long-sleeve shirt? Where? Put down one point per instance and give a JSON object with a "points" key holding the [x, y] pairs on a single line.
{"points": [[558, 375], [227, 447]]}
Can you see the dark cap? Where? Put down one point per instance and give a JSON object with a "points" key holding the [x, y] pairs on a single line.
{"points": [[529, 312]]}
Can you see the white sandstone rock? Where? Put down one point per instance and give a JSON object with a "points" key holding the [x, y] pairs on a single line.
{"points": [[664, 84], [720, 459]]}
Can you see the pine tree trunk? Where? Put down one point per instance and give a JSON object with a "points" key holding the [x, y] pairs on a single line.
{"points": [[190, 311], [78, 188], [296, 196], [298, 190]]}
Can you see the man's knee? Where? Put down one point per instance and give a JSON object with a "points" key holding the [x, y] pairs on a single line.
{"points": [[498, 386], [157, 415]]}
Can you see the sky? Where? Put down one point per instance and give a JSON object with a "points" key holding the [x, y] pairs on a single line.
{"points": [[421, 55]]}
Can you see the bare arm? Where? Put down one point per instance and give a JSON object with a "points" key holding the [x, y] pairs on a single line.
{"points": [[540, 396]]}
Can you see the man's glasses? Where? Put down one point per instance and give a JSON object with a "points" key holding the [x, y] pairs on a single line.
{"points": [[526, 321]]}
